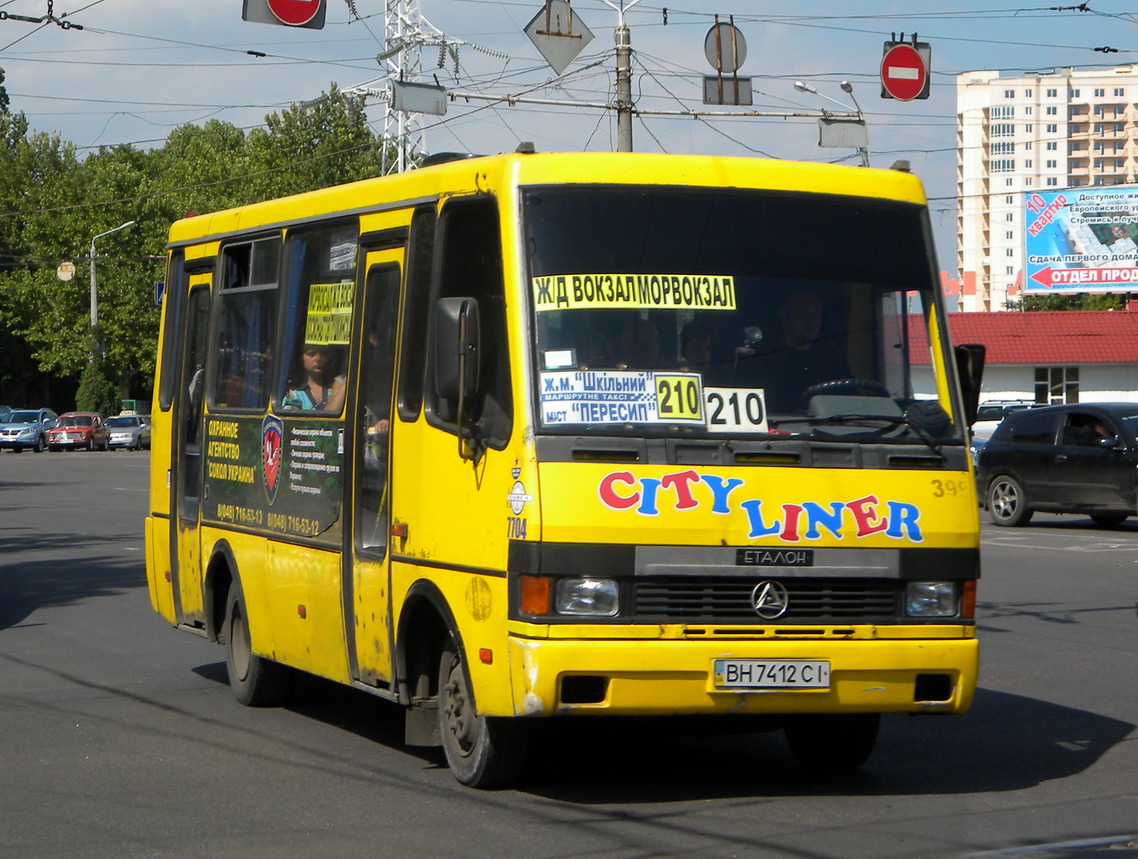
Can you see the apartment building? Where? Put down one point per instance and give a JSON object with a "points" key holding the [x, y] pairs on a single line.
{"points": [[1043, 131]]}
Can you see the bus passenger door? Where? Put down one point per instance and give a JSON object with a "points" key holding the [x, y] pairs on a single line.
{"points": [[185, 565], [367, 574]]}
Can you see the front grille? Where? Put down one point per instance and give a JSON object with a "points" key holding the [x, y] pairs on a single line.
{"points": [[720, 598]]}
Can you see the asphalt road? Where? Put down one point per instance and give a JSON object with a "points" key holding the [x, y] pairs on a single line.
{"points": [[119, 736]]}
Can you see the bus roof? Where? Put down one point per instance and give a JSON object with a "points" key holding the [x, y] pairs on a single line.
{"points": [[496, 171]]}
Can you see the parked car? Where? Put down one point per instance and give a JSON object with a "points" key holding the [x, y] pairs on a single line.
{"points": [[26, 428], [129, 431], [991, 413], [1062, 459], [77, 430]]}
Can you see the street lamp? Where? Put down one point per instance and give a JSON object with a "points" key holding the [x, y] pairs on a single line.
{"points": [[847, 88], [95, 347]]}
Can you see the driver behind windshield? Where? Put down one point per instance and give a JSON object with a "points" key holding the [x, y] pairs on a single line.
{"points": [[803, 357]]}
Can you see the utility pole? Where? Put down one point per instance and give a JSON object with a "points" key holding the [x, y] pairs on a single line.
{"points": [[402, 62], [405, 33], [623, 40], [623, 88]]}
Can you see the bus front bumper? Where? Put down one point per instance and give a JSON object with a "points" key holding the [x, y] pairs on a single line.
{"points": [[669, 677]]}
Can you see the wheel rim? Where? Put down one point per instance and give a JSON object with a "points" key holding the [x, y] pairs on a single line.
{"points": [[1005, 499], [460, 720], [240, 650]]}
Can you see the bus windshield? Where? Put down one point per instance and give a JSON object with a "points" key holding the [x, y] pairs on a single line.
{"points": [[663, 310]]}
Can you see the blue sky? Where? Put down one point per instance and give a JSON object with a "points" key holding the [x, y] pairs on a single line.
{"points": [[139, 68]]}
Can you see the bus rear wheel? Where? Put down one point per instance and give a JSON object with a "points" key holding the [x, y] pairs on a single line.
{"points": [[256, 681], [832, 741], [481, 752]]}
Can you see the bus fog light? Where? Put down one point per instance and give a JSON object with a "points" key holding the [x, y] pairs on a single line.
{"points": [[594, 597], [931, 599]]}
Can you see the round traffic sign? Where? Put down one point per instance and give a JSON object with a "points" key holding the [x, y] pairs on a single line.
{"points": [[66, 270], [903, 72], [295, 12], [725, 48]]}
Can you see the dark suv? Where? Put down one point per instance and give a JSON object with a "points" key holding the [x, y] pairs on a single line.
{"points": [[1062, 459]]}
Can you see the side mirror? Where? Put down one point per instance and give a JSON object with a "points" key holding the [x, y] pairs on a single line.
{"points": [[970, 370], [457, 348]]}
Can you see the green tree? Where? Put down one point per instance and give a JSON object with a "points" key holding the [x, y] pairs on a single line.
{"points": [[198, 170], [1077, 301], [52, 204], [33, 244], [326, 141]]}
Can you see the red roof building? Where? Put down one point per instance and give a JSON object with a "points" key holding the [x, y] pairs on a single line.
{"points": [[1050, 356], [1051, 336]]}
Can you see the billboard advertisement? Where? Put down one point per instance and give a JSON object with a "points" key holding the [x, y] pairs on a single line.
{"points": [[1082, 240]]}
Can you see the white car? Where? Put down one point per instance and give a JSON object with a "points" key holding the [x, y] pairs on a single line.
{"points": [[131, 432]]}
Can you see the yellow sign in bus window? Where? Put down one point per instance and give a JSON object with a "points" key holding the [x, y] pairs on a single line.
{"points": [[634, 291], [329, 320]]}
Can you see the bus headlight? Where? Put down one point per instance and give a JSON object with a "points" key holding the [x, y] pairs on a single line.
{"points": [[593, 597], [931, 599]]}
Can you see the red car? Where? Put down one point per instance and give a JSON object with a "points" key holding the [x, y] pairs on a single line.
{"points": [[79, 430]]}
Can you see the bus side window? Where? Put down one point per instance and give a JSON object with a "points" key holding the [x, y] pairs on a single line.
{"points": [[176, 279], [413, 359], [376, 368], [319, 293], [246, 323], [471, 266]]}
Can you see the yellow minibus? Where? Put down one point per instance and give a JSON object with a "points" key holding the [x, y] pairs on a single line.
{"points": [[543, 435]]}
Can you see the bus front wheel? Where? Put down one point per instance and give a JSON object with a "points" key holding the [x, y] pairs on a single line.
{"points": [[832, 741], [256, 681], [481, 752]]}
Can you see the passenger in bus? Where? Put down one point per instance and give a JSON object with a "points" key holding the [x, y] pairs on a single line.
{"points": [[593, 350], [317, 388], [640, 344], [805, 356], [695, 346]]}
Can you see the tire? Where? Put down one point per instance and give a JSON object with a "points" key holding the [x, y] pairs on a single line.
{"points": [[40, 446], [1007, 502], [256, 681], [1109, 520], [832, 741], [90, 444], [481, 752]]}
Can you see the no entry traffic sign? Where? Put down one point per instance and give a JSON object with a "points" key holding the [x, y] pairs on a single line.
{"points": [[292, 13], [904, 72], [295, 13]]}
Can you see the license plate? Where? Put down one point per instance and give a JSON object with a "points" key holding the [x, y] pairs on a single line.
{"points": [[771, 674]]}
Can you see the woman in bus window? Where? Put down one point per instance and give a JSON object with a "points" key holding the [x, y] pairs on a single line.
{"points": [[318, 389]]}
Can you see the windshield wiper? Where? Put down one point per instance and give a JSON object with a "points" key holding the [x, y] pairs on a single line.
{"points": [[890, 421]]}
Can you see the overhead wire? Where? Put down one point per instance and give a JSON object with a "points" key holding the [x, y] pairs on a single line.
{"points": [[518, 74]]}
